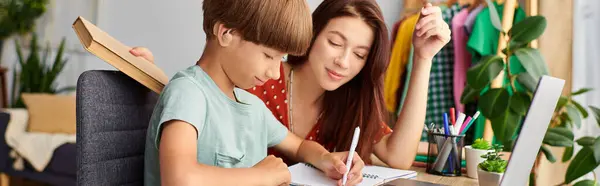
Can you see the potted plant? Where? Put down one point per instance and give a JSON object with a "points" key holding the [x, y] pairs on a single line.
{"points": [[35, 75], [491, 170], [473, 155], [18, 16], [506, 106]]}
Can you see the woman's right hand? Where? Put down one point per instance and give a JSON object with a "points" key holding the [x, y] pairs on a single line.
{"points": [[142, 52]]}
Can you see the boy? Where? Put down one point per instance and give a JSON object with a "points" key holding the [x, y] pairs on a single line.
{"points": [[206, 130]]}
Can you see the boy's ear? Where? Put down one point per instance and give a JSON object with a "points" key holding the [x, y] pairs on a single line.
{"points": [[223, 35]]}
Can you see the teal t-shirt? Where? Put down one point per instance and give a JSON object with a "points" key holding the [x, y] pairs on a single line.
{"points": [[231, 134]]}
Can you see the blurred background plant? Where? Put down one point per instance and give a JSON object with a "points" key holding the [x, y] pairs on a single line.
{"points": [[18, 17], [36, 75], [506, 106]]}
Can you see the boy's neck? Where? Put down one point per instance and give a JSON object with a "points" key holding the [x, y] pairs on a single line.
{"points": [[306, 86], [210, 63]]}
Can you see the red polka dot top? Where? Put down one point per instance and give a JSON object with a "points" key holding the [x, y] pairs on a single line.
{"points": [[274, 94]]}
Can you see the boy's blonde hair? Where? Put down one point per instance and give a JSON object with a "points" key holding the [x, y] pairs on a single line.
{"points": [[284, 25]]}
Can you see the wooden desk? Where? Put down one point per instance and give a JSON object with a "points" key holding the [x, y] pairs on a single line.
{"points": [[462, 180]]}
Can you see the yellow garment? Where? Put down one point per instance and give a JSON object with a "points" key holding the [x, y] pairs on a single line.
{"points": [[398, 61]]}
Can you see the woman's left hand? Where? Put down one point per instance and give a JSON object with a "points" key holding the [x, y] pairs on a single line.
{"points": [[431, 32], [333, 165]]}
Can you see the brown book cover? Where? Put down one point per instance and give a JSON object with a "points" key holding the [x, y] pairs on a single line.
{"points": [[117, 54]]}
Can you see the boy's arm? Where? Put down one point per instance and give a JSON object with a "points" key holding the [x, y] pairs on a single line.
{"points": [[178, 164], [301, 150]]}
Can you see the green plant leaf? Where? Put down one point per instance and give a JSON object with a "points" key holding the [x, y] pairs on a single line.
{"points": [[566, 120], [15, 90], [35, 75], [46, 52], [19, 16], [559, 137], [583, 163], [481, 144], [596, 112], [586, 141], [527, 80], [549, 156], [567, 154], [528, 29], [485, 71], [581, 109], [586, 183], [514, 46], [19, 53], [494, 17], [533, 62], [468, 95], [596, 149], [574, 115], [562, 101], [496, 165], [532, 179], [494, 102], [519, 103], [581, 91], [505, 125], [59, 55]]}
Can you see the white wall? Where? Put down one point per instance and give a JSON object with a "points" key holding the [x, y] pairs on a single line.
{"points": [[173, 31], [586, 25]]}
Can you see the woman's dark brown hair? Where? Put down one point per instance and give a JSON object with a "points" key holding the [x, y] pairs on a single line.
{"points": [[360, 101]]}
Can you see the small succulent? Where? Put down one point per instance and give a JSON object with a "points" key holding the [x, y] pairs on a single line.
{"points": [[493, 162], [481, 144]]}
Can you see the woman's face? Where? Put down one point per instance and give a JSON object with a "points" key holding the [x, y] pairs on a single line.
{"points": [[340, 51]]}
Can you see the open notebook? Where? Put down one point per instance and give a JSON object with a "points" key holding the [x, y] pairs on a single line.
{"points": [[304, 174]]}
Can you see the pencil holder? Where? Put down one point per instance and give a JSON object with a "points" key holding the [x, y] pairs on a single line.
{"points": [[444, 154]]}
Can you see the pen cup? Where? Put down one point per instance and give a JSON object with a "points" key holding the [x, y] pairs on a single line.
{"points": [[444, 154]]}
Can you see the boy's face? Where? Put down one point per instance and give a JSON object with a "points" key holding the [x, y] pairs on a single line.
{"points": [[248, 65]]}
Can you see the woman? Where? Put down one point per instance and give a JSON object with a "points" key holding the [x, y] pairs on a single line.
{"points": [[337, 86]]}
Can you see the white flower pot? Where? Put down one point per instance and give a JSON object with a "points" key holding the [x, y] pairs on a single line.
{"points": [[489, 178], [474, 158]]}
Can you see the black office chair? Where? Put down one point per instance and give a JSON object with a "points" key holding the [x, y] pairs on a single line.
{"points": [[113, 112]]}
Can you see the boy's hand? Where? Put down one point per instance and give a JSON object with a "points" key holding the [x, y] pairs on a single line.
{"points": [[276, 169], [333, 165], [142, 52]]}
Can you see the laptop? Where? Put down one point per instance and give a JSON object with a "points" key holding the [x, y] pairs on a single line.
{"points": [[532, 133]]}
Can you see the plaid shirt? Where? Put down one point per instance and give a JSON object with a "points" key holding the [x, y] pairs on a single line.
{"points": [[440, 96]]}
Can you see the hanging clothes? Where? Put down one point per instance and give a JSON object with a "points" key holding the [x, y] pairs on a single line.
{"points": [[408, 73], [398, 61], [484, 41], [470, 21], [440, 94], [462, 58]]}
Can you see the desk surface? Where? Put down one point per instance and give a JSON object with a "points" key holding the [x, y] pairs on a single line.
{"points": [[461, 180]]}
